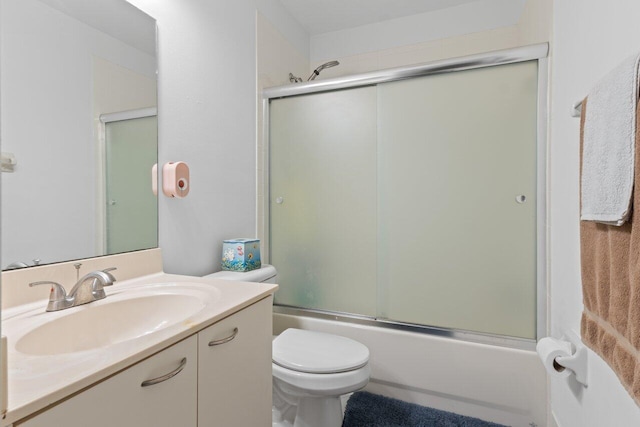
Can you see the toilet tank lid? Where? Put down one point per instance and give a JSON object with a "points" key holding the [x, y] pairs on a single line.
{"points": [[318, 352], [261, 274]]}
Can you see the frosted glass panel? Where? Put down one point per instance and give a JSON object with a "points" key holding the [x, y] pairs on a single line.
{"points": [[131, 150], [457, 249], [323, 200]]}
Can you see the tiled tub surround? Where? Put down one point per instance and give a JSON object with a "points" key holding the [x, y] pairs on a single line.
{"points": [[36, 382]]}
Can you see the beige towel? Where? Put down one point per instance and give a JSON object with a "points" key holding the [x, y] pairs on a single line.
{"points": [[610, 258]]}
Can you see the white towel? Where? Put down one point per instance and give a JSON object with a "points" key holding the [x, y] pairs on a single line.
{"points": [[608, 151]]}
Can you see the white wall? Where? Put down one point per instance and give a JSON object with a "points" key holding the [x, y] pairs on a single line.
{"points": [[590, 38], [477, 16], [382, 46], [207, 117], [48, 203]]}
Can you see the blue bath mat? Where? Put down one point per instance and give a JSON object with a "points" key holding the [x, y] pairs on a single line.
{"points": [[371, 410]]}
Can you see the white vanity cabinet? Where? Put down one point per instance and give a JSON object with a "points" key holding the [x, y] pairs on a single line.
{"points": [[234, 369], [122, 400], [225, 382]]}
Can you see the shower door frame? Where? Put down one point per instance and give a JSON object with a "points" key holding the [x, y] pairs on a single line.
{"points": [[537, 52]]}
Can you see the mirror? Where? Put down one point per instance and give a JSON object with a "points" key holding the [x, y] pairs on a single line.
{"points": [[78, 130]]}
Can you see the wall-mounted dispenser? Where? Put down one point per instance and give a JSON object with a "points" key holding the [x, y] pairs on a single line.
{"points": [[175, 179]]}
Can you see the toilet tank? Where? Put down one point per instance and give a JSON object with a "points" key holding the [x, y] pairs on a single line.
{"points": [[265, 274]]}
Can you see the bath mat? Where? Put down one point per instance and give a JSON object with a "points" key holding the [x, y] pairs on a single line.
{"points": [[371, 410]]}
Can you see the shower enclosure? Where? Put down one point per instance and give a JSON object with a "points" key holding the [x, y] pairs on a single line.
{"points": [[414, 198]]}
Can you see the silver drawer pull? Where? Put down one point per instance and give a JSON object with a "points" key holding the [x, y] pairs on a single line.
{"points": [[224, 340], [165, 377]]}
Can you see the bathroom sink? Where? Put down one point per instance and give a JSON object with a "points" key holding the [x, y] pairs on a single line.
{"points": [[53, 355], [122, 317]]}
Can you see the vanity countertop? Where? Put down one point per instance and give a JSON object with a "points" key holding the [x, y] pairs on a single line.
{"points": [[36, 381]]}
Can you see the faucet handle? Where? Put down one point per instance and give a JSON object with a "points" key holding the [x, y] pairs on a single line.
{"points": [[57, 297], [57, 290]]}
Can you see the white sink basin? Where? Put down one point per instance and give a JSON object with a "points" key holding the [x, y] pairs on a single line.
{"points": [[118, 318]]}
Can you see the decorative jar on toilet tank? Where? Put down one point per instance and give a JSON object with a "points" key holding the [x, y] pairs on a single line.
{"points": [[241, 254]]}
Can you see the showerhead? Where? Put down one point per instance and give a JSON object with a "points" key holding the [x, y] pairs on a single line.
{"points": [[316, 72], [328, 65]]}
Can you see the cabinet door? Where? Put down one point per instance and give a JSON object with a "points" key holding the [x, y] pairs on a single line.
{"points": [[234, 374], [122, 401]]}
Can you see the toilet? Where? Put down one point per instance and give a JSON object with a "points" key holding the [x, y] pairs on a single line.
{"points": [[311, 370]]}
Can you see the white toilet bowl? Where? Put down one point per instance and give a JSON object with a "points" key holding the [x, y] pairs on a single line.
{"points": [[311, 371]]}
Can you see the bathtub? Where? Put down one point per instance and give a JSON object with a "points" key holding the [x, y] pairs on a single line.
{"points": [[491, 382]]}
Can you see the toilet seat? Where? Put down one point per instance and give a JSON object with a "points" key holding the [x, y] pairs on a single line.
{"points": [[306, 384], [314, 352]]}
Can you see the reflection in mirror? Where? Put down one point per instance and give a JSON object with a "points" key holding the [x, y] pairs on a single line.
{"points": [[78, 130]]}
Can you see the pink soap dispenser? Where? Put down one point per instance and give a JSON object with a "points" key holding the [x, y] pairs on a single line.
{"points": [[175, 179]]}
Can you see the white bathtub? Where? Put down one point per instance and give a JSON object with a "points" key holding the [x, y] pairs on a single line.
{"points": [[503, 385]]}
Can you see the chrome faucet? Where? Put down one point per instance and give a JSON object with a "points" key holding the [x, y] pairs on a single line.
{"points": [[88, 288]]}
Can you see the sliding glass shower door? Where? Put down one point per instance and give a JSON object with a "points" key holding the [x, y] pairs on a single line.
{"points": [[457, 154], [411, 201], [324, 200]]}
